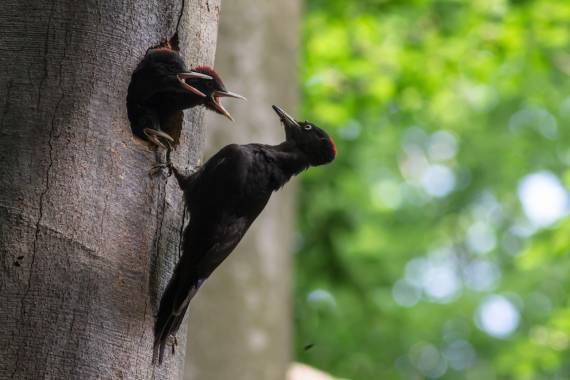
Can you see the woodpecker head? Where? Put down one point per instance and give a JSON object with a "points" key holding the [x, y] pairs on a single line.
{"points": [[162, 85], [315, 143], [213, 89], [163, 71]]}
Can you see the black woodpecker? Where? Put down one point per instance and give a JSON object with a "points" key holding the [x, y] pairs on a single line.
{"points": [[223, 197], [162, 85]]}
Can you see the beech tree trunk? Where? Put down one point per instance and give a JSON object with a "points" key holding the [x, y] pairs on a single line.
{"points": [[240, 321], [88, 239]]}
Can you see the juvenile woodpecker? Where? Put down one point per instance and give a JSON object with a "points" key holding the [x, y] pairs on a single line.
{"points": [[162, 85], [223, 197]]}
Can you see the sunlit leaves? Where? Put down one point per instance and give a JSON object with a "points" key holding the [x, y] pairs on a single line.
{"points": [[420, 231]]}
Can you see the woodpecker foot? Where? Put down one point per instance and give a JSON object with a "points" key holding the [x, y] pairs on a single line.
{"points": [[155, 169], [194, 168], [174, 342], [154, 136]]}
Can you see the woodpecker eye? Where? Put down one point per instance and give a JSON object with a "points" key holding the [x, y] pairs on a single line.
{"points": [[308, 127]]}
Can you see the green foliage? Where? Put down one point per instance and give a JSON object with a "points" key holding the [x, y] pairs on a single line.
{"points": [[439, 109]]}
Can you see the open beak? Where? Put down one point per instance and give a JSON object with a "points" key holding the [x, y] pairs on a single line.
{"points": [[216, 95], [286, 119], [192, 75]]}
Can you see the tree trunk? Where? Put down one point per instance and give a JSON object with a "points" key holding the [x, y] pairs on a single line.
{"points": [[240, 320], [88, 239]]}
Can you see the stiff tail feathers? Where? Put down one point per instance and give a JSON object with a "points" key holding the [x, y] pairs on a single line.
{"points": [[170, 315]]}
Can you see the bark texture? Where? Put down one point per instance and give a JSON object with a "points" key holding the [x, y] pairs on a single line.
{"points": [[87, 238], [240, 321]]}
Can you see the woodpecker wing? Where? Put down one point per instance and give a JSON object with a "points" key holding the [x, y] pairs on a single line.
{"points": [[195, 266], [212, 234]]}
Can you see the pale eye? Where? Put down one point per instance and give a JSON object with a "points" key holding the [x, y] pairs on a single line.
{"points": [[308, 127]]}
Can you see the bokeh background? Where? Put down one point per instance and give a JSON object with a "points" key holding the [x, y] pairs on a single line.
{"points": [[437, 245]]}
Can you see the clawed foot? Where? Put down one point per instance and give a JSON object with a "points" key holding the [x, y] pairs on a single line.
{"points": [[154, 136], [193, 169], [155, 169], [174, 342]]}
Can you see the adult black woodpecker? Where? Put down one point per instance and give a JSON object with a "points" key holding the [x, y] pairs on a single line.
{"points": [[223, 197], [162, 85]]}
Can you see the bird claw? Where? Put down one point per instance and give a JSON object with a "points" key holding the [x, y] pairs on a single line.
{"points": [[158, 168], [153, 136], [174, 342], [156, 141], [195, 168]]}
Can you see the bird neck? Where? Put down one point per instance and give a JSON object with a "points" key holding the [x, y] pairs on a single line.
{"points": [[289, 160]]}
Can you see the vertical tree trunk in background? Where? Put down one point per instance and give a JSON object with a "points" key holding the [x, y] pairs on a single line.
{"points": [[87, 238], [240, 321]]}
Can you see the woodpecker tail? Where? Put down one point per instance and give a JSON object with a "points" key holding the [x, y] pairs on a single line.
{"points": [[173, 306]]}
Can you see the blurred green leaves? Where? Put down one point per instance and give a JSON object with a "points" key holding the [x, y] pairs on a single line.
{"points": [[439, 110]]}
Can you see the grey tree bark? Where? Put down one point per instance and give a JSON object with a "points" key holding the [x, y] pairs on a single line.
{"points": [[87, 238], [240, 321]]}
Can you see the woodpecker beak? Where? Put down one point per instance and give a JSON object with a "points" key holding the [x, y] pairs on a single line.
{"points": [[192, 75], [216, 95], [228, 94], [286, 119]]}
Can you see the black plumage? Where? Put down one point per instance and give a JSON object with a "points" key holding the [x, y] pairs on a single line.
{"points": [[162, 85], [224, 197]]}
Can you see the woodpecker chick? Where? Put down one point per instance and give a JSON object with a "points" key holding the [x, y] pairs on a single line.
{"points": [[223, 197], [161, 73], [214, 90], [162, 85]]}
